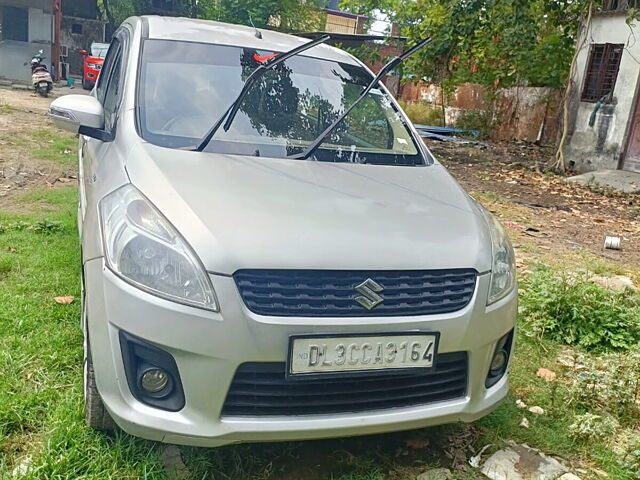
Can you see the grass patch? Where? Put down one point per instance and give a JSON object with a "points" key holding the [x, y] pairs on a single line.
{"points": [[6, 109], [55, 147]]}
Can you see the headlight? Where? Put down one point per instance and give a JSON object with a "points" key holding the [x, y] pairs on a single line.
{"points": [[91, 65], [143, 248], [503, 266]]}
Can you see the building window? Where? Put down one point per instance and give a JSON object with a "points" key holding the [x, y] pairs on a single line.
{"points": [[15, 24], [602, 71], [76, 28]]}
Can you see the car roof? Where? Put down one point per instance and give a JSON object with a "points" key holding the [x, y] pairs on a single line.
{"points": [[208, 31]]}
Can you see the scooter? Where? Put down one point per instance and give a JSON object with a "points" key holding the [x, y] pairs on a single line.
{"points": [[40, 76]]}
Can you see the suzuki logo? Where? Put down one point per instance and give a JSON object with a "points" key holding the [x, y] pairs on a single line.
{"points": [[369, 290]]}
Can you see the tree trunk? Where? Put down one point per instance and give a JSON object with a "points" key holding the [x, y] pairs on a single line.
{"points": [[107, 11], [559, 164]]}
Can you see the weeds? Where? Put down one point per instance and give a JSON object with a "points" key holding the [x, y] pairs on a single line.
{"points": [[480, 120], [420, 112], [45, 226], [48, 226], [574, 311], [591, 427]]}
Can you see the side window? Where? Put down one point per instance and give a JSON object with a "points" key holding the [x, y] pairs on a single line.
{"points": [[112, 92], [106, 69]]}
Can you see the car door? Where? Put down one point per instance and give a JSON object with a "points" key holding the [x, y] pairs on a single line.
{"points": [[93, 152]]}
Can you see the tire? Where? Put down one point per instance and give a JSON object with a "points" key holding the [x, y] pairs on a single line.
{"points": [[96, 415], [43, 91]]}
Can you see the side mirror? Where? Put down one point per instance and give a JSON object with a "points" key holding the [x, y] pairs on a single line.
{"points": [[83, 52], [79, 114]]}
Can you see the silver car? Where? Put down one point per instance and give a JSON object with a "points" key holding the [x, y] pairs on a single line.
{"points": [[269, 251]]}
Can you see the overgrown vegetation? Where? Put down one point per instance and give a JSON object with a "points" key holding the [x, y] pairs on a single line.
{"points": [[482, 121], [422, 113], [570, 309]]}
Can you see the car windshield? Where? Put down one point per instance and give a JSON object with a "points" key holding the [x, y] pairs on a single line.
{"points": [[99, 49], [185, 87]]}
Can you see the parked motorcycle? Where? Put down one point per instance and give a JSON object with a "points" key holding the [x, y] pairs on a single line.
{"points": [[40, 76]]}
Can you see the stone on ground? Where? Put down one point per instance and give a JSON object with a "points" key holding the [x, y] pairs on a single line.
{"points": [[522, 463], [569, 476], [620, 180], [435, 474], [616, 283], [22, 468]]}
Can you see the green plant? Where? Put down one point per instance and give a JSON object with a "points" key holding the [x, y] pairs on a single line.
{"points": [[480, 120], [48, 226], [592, 427], [576, 312], [422, 113], [631, 457], [610, 384]]}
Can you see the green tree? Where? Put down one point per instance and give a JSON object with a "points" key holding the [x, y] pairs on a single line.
{"points": [[283, 15], [116, 11], [492, 42]]}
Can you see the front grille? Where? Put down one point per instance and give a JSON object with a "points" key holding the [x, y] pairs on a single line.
{"points": [[260, 389], [332, 293]]}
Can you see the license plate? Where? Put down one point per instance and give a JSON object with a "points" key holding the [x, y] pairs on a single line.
{"points": [[321, 354], [43, 84]]}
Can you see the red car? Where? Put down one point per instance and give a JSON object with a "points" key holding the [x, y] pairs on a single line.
{"points": [[93, 60]]}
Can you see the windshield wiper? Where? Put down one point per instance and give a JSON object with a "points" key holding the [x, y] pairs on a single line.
{"points": [[313, 146], [231, 112]]}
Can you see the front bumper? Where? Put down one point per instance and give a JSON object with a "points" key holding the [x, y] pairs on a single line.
{"points": [[208, 348]]}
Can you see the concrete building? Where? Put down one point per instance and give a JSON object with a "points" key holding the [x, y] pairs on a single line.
{"points": [[27, 26], [604, 126]]}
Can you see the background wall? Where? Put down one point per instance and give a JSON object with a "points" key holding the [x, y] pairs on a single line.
{"points": [[530, 114], [92, 31]]}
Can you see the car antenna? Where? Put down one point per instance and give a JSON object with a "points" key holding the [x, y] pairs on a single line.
{"points": [[258, 34]]}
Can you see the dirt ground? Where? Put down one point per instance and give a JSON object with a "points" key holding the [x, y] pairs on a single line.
{"points": [[538, 206], [541, 207], [27, 145]]}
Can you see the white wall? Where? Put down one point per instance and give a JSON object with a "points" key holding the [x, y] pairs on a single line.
{"points": [[40, 26], [601, 146], [14, 54]]}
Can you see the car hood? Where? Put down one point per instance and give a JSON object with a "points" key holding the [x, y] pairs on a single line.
{"points": [[254, 212]]}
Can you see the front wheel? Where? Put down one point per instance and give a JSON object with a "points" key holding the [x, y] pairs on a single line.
{"points": [[43, 92], [96, 415]]}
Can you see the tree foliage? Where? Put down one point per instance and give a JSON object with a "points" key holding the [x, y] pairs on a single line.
{"points": [[116, 11], [284, 15], [492, 42]]}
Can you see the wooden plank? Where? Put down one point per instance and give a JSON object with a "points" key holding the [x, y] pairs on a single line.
{"points": [[631, 164]]}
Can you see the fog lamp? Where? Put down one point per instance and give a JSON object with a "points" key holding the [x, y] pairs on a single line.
{"points": [[154, 380], [498, 362]]}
